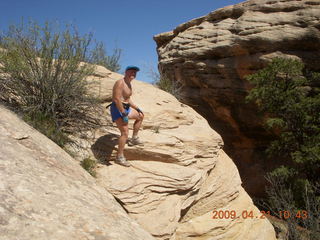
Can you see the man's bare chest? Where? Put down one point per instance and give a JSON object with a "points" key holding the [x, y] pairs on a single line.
{"points": [[126, 91]]}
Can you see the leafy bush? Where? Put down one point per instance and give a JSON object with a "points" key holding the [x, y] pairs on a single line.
{"points": [[283, 90], [289, 95], [44, 77], [166, 84], [99, 57], [302, 223], [89, 165], [47, 126]]}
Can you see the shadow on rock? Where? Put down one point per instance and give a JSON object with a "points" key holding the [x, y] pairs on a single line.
{"points": [[104, 146]]}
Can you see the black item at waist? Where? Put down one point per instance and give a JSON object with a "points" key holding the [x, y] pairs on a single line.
{"points": [[124, 104]]}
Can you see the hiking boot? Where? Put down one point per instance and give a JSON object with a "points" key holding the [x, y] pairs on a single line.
{"points": [[135, 141], [121, 160]]}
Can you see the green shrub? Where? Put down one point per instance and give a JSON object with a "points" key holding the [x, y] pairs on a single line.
{"points": [[89, 165], [156, 129], [283, 90], [166, 84], [289, 95], [44, 77], [48, 127], [111, 62], [302, 222]]}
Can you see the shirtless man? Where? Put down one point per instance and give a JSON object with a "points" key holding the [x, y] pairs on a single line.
{"points": [[122, 109]]}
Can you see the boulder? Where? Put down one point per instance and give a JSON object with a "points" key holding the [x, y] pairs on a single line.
{"points": [[177, 179], [209, 57], [179, 175], [46, 194]]}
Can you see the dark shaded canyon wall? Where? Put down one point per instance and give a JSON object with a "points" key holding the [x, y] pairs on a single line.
{"points": [[210, 56]]}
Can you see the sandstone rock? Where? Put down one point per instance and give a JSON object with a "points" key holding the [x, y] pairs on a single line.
{"points": [[101, 80], [179, 175], [210, 56], [45, 194], [198, 223]]}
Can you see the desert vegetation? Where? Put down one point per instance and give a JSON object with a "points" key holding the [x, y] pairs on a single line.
{"points": [[166, 84], [43, 77], [289, 96]]}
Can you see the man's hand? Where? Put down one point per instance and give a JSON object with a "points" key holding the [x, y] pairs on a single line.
{"points": [[139, 111], [124, 117]]}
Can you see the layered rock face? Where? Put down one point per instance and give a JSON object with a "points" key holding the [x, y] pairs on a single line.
{"points": [[210, 56], [177, 179], [179, 176], [45, 194]]}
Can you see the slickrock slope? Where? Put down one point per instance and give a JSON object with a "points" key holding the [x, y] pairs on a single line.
{"points": [[45, 194], [210, 56], [179, 176]]}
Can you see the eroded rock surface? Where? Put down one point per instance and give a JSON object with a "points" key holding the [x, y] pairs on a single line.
{"points": [[177, 178], [45, 194], [210, 56], [180, 174]]}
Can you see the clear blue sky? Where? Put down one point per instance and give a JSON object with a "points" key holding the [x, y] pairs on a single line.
{"points": [[126, 24]]}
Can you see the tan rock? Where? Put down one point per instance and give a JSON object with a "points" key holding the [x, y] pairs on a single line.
{"points": [[101, 80], [178, 175], [204, 227], [45, 194], [210, 56], [203, 220], [150, 192]]}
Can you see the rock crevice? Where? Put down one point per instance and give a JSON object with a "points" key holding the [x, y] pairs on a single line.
{"points": [[210, 57]]}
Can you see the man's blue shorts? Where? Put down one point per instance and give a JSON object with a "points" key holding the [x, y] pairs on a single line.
{"points": [[115, 113]]}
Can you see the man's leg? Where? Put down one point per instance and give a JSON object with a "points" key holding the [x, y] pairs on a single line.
{"points": [[137, 123], [124, 130]]}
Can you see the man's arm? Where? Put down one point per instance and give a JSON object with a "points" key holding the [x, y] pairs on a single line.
{"points": [[135, 106], [132, 104]]}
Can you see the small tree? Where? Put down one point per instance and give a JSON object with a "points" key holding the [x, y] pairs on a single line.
{"points": [[165, 83], [290, 97], [100, 57], [44, 77], [302, 222], [283, 91]]}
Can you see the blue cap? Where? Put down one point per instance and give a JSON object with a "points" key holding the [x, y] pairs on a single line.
{"points": [[133, 67]]}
